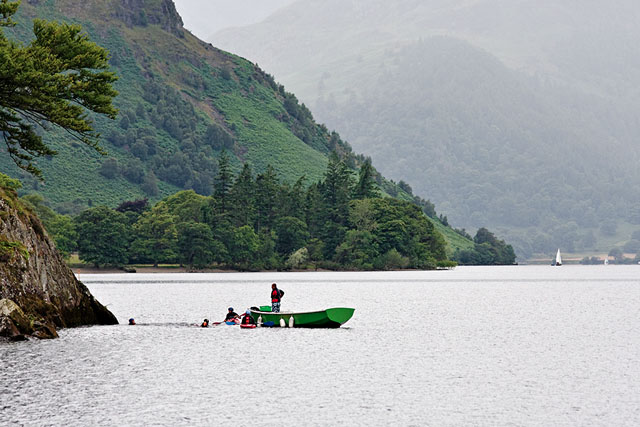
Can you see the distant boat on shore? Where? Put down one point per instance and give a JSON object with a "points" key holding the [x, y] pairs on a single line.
{"points": [[558, 261]]}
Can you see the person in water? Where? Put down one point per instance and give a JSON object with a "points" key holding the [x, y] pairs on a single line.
{"points": [[132, 321], [231, 315], [205, 323], [247, 319], [276, 296]]}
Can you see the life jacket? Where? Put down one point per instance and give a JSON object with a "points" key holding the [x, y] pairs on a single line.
{"points": [[247, 319], [275, 295], [205, 324]]}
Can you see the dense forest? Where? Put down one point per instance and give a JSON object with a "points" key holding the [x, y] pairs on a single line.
{"points": [[257, 222]]}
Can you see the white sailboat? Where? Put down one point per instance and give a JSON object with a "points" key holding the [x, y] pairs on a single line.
{"points": [[558, 261]]}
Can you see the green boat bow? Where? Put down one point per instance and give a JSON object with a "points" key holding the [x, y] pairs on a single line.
{"points": [[329, 318]]}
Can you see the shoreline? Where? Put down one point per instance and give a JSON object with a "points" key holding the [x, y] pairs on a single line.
{"points": [[168, 270], [149, 270]]}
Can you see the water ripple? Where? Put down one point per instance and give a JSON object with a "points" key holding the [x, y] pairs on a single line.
{"points": [[468, 347]]}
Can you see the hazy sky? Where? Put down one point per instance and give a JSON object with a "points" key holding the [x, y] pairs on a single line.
{"points": [[205, 17]]}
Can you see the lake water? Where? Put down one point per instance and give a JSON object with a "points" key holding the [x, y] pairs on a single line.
{"points": [[527, 345]]}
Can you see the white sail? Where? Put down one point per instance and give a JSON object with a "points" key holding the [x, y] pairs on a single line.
{"points": [[558, 258]]}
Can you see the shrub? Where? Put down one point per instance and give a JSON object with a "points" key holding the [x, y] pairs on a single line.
{"points": [[9, 183], [298, 259], [391, 260]]}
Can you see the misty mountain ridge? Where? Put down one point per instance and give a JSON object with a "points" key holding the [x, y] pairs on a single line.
{"points": [[521, 115], [204, 16], [527, 35]]}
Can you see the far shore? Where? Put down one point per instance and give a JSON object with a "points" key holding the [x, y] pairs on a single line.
{"points": [[162, 270], [165, 270]]}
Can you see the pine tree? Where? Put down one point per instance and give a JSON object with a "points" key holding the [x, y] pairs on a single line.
{"points": [[223, 183], [57, 79], [365, 187], [337, 189], [292, 200], [267, 191], [316, 210], [242, 198]]}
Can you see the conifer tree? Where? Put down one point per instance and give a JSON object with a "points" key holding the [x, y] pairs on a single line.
{"points": [[267, 191], [337, 189], [292, 200], [365, 187], [242, 198], [223, 183], [316, 210], [56, 79]]}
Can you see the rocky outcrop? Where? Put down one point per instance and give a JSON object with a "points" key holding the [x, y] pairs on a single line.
{"points": [[38, 292], [150, 12]]}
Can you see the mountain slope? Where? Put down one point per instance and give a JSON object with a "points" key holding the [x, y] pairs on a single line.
{"points": [[519, 115], [181, 103]]}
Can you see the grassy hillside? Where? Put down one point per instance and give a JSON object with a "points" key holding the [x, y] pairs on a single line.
{"points": [[182, 103]]}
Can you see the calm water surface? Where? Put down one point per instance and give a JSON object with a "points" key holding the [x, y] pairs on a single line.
{"points": [[474, 346]]}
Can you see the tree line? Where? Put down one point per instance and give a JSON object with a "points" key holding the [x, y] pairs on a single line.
{"points": [[255, 222], [487, 250]]}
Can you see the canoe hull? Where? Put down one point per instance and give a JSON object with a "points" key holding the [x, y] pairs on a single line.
{"points": [[329, 318]]}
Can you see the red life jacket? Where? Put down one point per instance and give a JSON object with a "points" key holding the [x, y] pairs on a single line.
{"points": [[275, 295], [247, 319]]}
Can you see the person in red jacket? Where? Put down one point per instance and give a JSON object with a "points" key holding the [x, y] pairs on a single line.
{"points": [[247, 319], [276, 296]]}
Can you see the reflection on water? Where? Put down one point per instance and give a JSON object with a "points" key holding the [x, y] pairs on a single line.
{"points": [[473, 346]]}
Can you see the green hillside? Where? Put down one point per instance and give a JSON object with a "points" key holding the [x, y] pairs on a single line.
{"points": [[181, 103]]}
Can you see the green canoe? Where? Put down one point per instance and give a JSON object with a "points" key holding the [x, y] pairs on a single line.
{"points": [[329, 318]]}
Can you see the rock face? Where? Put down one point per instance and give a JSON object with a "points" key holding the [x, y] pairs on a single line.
{"points": [[150, 12], [38, 292]]}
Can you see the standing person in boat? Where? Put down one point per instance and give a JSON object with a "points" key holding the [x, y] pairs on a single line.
{"points": [[231, 315], [276, 296], [247, 319]]}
